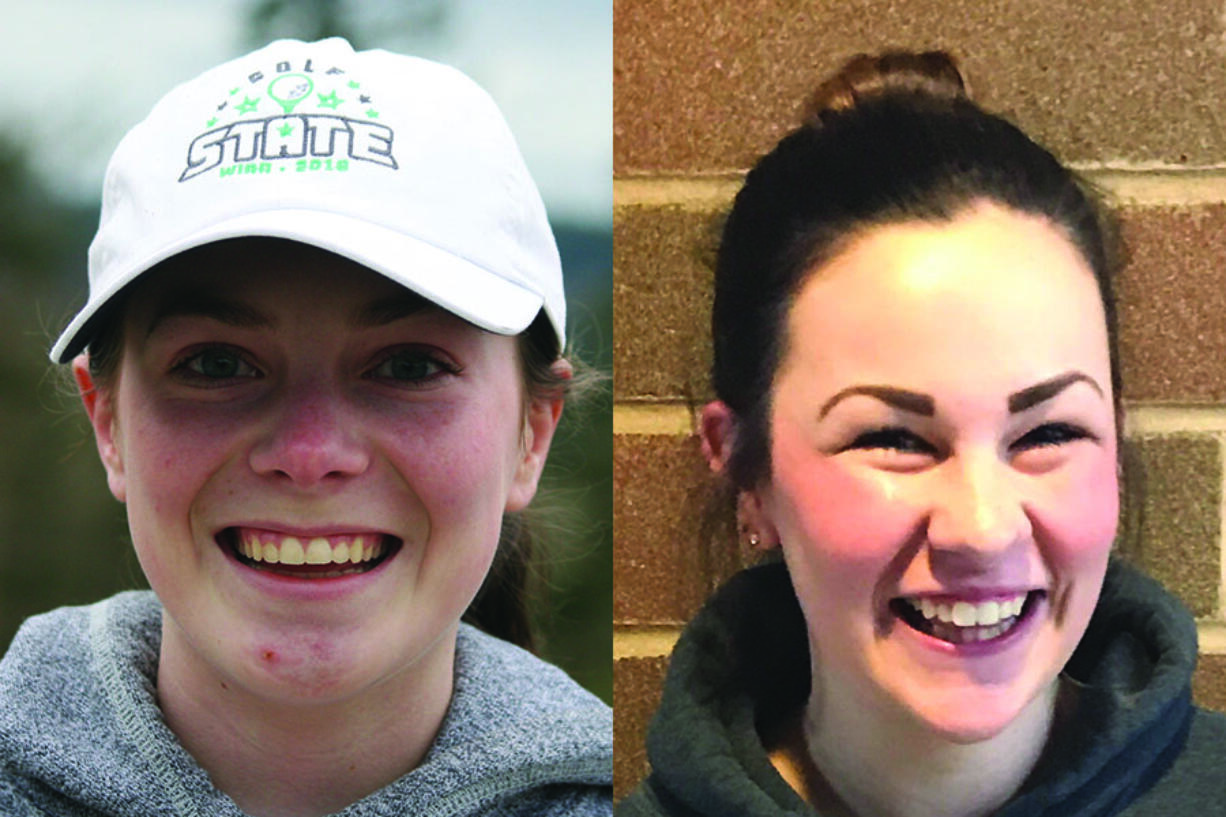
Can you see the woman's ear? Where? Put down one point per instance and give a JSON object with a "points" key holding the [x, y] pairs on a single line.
{"points": [[540, 422], [717, 428], [100, 406]]}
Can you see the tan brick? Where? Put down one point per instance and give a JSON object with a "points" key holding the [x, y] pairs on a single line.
{"points": [[1171, 515], [661, 302], [672, 530], [636, 694], [698, 88], [1209, 682], [1172, 304]]}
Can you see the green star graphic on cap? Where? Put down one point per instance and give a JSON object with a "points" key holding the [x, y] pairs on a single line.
{"points": [[286, 129], [248, 105], [330, 101]]}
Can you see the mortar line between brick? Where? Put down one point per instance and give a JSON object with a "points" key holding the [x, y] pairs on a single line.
{"points": [[668, 419], [1160, 186], [658, 642], [1158, 418], [644, 642], [1144, 186], [1221, 540], [696, 194], [1211, 636], [671, 418]]}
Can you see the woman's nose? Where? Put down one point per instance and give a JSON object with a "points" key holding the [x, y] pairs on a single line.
{"points": [[978, 508], [309, 442]]}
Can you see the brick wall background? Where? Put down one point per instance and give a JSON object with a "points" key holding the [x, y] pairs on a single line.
{"points": [[1132, 92]]}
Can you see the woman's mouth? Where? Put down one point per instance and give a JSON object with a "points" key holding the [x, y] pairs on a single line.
{"points": [[965, 622], [314, 557]]}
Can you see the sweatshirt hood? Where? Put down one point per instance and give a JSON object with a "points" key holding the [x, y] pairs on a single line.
{"points": [[81, 733], [1133, 674], [742, 665]]}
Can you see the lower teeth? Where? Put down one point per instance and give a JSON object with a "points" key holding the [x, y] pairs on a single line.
{"points": [[309, 574], [968, 635]]}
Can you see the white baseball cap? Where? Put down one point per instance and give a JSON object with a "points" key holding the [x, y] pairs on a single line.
{"points": [[400, 164]]}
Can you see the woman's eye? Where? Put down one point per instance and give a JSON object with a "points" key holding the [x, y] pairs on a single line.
{"points": [[1050, 434], [217, 364], [411, 367], [893, 439]]}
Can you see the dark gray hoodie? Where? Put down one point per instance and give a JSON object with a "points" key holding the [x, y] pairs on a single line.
{"points": [[1135, 745], [81, 734]]}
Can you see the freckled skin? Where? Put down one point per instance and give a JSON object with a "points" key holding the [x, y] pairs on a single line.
{"points": [[314, 441], [968, 312]]}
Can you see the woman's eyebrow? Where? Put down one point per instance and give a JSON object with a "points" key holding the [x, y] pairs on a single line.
{"points": [[1033, 395], [191, 304], [389, 310], [912, 401], [925, 405]]}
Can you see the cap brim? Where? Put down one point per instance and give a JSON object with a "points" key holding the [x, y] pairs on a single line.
{"points": [[456, 284]]}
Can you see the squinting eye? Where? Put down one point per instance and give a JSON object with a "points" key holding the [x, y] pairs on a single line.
{"points": [[893, 439], [411, 366], [1051, 434], [218, 364]]}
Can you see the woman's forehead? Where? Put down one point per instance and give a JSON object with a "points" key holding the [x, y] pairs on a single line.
{"points": [[986, 258], [992, 290], [250, 288]]}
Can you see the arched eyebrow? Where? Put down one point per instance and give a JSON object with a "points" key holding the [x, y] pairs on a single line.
{"points": [[195, 304], [925, 406], [912, 401], [1031, 396], [389, 310]]}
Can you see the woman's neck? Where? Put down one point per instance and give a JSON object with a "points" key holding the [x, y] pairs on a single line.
{"points": [[853, 763], [295, 759]]}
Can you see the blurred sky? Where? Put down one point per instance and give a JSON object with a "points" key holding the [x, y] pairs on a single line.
{"points": [[79, 73]]}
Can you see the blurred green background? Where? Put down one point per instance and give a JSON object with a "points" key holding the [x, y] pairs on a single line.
{"points": [[63, 538]]}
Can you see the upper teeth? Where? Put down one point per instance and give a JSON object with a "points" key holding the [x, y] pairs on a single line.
{"points": [[968, 614], [272, 548]]}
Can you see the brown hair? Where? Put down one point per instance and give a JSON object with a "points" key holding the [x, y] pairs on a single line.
{"points": [[932, 73], [888, 139]]}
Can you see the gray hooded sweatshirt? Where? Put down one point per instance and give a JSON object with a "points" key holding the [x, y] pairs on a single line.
{"points": [[81, 734]]}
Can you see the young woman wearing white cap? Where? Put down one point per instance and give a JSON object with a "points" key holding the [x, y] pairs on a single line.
{"points": [[322, 361]]}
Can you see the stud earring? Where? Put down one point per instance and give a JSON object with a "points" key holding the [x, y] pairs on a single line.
{"points": [[754, 540]]}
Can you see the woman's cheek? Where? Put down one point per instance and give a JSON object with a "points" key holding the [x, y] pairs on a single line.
{"points": [[1075, 515], [843, 513], [841, 527]]}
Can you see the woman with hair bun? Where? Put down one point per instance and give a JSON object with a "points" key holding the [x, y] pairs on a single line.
{"points": [[919, 408]]}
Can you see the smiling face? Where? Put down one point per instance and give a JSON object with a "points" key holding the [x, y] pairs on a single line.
{"points": [[315, 464], [943, 467]]}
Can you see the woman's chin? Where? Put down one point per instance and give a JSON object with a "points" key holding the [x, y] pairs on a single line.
{"points": [[966, 716], [960, 729]]}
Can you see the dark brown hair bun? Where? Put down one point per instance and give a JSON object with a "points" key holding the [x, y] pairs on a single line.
{"points": [[864, 76]]}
